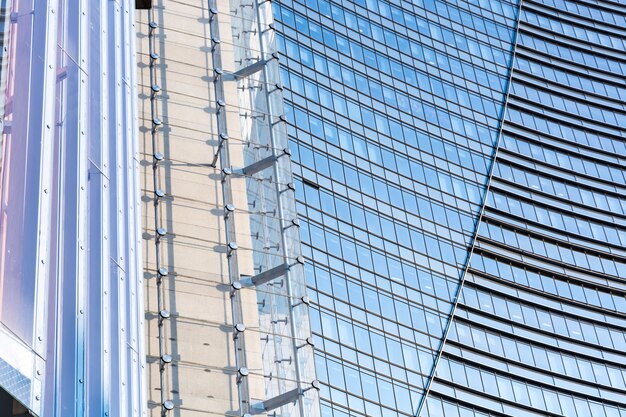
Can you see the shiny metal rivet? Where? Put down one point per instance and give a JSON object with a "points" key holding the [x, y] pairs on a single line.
{"points": [[163, 271], [160, 193], [168, 405], [154, 56], [300, 259], [153, 25], [224, 136], [164, 314], [158, 156], [227, 171], [221, 103], [156, 88], [233, 246], [166, 358], [243, 372], [236, 285], [157, 122], [240, 327], [161, 231]]}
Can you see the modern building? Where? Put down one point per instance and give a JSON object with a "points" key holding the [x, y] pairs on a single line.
{"points": [[398, 111], [313, 208], [71, 305]]}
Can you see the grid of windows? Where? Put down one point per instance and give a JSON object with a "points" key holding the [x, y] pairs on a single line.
{"points": [[539, 328], [393, 112]]}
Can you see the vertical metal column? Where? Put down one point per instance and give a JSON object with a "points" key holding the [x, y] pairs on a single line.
{"points": [[277, 255], [160, 232], [229, 212], [279, 192]]}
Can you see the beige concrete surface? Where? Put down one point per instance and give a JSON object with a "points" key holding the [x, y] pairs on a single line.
{"points": [[201, 379]]}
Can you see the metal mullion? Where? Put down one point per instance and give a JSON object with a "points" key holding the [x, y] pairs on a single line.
{"points": [[159, 277], [83, 211], [279, 206], [46, 131], [105, 210], [133, 220], [229, 224], [118, 217]]}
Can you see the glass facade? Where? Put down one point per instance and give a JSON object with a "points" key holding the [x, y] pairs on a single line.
{"points": [[397, 113], [394, 111], [540, 327], [459, 169]]}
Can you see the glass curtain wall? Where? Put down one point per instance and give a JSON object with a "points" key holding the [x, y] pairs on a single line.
{"points": [[540, 328], [70, 303], [393, 111]]}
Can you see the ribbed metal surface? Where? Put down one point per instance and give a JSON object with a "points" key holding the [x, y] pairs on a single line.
{"points": [[71, 304]]}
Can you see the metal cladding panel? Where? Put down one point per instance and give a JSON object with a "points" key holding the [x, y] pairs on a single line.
{"points": [[69, 261]]}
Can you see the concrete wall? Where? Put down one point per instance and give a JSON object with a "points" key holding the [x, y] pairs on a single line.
{"points": [[201, 379]]}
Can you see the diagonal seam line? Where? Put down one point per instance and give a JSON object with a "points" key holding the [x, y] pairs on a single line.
{"points": [[480, 213]]}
